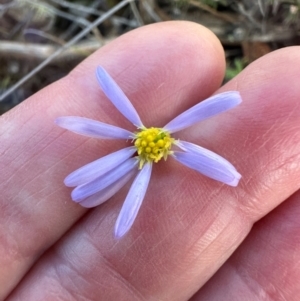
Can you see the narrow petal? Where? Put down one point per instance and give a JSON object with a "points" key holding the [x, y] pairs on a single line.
{"points": [[210, 165], [92, 128], [133, 201], [97, 168], [212, 106], [83, 191], [106, 193], [194, 148], [114, 93]]}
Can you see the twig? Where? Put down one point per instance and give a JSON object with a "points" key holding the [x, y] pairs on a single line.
{"points": [[275, 7], [82, 14], [136, 13], [75, 19], [66, 46], [78, 7], [96, 12], [27, 51], [248, 15], [212, 11], [150, 11], [261, 8], [43, 34]]}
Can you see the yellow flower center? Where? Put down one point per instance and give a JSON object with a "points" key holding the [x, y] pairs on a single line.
{"points": [[152, 145]]}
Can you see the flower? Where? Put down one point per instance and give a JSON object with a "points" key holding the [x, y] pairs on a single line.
{"points": [[97, 181]]}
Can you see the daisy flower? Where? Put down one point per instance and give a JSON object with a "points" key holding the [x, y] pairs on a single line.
{"points": [[97, 181]]}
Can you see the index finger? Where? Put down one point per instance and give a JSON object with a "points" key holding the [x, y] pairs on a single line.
{"points": [[36, 209]]}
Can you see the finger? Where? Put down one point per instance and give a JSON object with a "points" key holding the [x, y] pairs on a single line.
{"points": [[189, 225], [266, 265], [154, 65]]}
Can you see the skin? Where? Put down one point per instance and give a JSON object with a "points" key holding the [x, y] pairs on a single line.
{"points": [[194, 238]]}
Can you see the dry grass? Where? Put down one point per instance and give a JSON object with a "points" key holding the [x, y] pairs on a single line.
{"points": [[36, 36]]}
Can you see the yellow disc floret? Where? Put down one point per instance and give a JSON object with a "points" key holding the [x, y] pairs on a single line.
{"points": [[152, 145]]}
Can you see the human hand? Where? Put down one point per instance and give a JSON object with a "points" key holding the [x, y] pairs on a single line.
{"points": [[189, 225]]}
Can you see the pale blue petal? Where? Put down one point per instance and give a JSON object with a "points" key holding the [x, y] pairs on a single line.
{"points": [[194, 148], [92, 128], [83, 191], [106, 193], [114, 93], [210, 166], [97, 168], [133, 201], [214, 105]]}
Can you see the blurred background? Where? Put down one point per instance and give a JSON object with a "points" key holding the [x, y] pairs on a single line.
{"points": [[42, 40]]}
